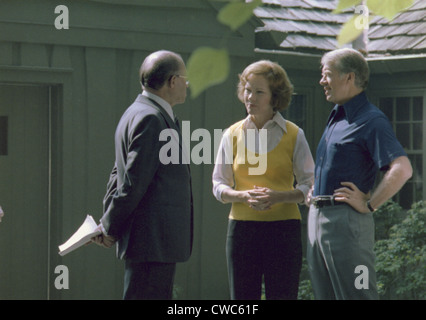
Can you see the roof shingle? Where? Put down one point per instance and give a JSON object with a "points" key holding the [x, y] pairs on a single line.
{"points": [[309, 26]]}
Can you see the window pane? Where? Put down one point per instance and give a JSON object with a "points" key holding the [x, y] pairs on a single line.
{"points": [[296, 112], [418, 108], [297, 106], [403, 134], [406, 195], [417, 179], [418, 168], [386, 106], [403, 109], [417, 136], [418, 191]]}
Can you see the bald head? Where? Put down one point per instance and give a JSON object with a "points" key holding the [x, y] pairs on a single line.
{"points": [[158, 67]]}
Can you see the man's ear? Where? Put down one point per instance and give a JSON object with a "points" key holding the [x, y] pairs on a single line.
{"points": [[350, 77], [171, 82]]}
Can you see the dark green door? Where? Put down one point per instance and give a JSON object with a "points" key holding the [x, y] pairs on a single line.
{"points": [[24, 191]]}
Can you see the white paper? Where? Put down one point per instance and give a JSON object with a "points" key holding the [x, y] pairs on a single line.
{"points": [[82, 236]]}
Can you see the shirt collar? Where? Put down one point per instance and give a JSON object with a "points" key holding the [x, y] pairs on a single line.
{"points": [[163, 103], [277, 119], [353, 106]]}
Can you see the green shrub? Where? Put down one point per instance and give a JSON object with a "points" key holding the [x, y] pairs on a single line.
{"points": [[401, 258]]}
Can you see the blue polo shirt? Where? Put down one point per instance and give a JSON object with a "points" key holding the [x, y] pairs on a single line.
{"points": [[357, 141]]}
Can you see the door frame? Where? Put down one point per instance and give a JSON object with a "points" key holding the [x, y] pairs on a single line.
{"points": [[59, 82]]}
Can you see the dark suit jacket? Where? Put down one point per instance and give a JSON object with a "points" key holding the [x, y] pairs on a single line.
{"points": [[148, 204]]}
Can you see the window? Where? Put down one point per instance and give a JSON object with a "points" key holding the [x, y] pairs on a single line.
{"points": [[406, 113], [296, 112]]}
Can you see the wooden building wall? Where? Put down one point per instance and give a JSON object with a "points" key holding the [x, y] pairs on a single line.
{"points": [[89, 74]]}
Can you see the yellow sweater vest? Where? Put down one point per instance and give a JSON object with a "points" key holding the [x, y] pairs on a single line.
{"points": [[278, 176]]}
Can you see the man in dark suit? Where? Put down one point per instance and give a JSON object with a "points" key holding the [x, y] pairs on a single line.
{"points": [[148, 206]]}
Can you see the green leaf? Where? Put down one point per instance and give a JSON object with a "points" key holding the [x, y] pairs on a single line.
{"points": [[235, 14], [352, 29], [388, 8], [343, 4], [207, 67]]}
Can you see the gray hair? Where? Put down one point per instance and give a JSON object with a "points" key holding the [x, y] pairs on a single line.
{"points": [[348, 60]]}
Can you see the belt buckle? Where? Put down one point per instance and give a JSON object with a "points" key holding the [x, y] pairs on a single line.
{"points": [[318, 199]]}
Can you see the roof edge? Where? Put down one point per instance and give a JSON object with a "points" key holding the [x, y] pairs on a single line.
{"points": [[368, 58], [397, 57], [288, 53]]}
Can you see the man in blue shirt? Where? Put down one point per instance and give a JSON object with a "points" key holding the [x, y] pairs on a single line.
{"points": [[357, 142]]}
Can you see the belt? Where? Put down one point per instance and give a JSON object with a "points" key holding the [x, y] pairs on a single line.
{"points": [[324, 201]]}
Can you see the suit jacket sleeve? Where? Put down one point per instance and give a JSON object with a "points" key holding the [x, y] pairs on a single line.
{"points": [[111, 188], [137, 147]]}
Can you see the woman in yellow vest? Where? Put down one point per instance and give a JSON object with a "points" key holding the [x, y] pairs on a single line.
{"points": [[257, 161]]}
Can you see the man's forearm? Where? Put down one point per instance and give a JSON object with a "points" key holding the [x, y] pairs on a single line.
{"points": [[399, 172]]}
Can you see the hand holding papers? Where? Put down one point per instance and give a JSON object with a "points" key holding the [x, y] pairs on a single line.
{"points": [[104, 241], [83, 235]]}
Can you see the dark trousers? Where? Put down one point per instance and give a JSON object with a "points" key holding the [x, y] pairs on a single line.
{"points": [[269, 249], [148, 280]]}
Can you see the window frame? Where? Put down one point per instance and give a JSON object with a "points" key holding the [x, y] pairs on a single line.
{"points": [[408, 93]]}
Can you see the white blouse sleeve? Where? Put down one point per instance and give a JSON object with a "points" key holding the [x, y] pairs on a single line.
{"points": [[303, 164], [223, 175]]}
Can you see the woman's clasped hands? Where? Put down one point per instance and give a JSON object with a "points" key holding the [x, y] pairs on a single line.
{"points": [[261, 198]]}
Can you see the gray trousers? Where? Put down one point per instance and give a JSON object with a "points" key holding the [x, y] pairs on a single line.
{"points": [[340, 253]]}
